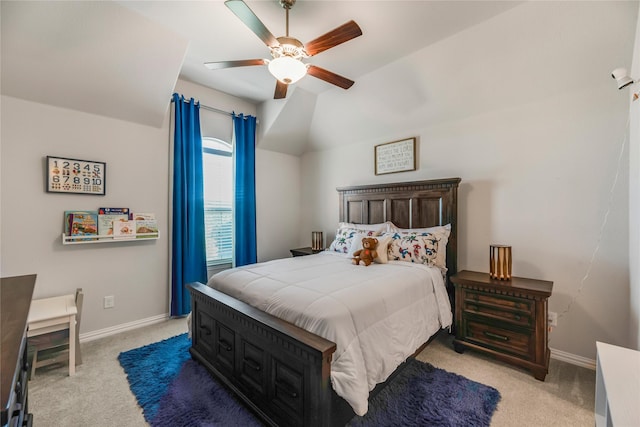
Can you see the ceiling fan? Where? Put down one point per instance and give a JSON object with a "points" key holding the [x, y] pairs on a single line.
{"points": [[287, 52]]}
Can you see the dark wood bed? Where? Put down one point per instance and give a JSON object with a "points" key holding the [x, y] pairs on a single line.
{"points": [[282, 372]]}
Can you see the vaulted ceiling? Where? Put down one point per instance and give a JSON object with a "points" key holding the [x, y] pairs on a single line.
{"points": [[122, 59]]}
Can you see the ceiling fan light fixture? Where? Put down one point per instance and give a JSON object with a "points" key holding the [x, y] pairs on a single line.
{"points": [[286, 69], [288, 52]]}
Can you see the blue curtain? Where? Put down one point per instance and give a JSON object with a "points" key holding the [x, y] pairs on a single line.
{"points": [[189, 260], [245, 190]]}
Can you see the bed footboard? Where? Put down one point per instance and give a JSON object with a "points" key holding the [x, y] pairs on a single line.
{"points": [[279, 370]]}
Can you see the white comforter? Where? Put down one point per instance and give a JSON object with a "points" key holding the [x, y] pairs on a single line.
{"points": [[377, 315]]}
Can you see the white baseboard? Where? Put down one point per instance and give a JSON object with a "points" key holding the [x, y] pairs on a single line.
{"points": [[101, 333], [573, 359]]}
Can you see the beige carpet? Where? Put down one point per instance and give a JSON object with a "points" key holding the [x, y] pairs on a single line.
{"points": [[98, 395]]}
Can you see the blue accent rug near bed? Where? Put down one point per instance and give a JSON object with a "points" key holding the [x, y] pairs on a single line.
{"points": [[174, 391]]}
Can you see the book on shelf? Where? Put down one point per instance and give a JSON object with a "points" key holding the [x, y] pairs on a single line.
{"points": [[68, 216], [106, 217], [124, 229], [105, 223], [115, 211], [146, 226], [143, 216], [83, 224]]}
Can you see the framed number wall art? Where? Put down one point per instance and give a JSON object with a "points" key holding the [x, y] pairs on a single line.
{"points": [[75, 176]]}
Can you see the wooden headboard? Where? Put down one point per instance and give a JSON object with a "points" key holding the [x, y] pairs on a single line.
{"points": [[416, 204]]}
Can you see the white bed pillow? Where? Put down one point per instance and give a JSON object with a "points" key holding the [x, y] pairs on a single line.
{"points": [[443, 229], [379, 228], [381, 249]]}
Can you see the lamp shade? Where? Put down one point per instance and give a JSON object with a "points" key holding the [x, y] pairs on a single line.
{"points": [[500, 262], [286, 69], [317, 241]]}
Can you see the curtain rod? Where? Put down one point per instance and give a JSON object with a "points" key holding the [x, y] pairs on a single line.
{"points": [[215, 110], [206, 107]]}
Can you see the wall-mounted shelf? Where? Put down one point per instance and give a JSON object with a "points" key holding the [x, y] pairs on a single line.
{"points": [[81, 240]]}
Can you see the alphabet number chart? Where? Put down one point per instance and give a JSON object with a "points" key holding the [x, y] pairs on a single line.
{"points": [[75, 176]]}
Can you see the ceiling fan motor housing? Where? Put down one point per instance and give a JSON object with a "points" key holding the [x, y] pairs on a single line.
{"points": [[289, 47]]}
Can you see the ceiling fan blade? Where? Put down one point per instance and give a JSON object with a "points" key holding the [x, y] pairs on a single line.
{"points": [[329, 77], [337, 36], [281, 90], [230, 64], [250, 19]]}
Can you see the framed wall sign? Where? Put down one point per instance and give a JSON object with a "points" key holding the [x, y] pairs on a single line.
{"points": [[396, 156], [75, 176]]}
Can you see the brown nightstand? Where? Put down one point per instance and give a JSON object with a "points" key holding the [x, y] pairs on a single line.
{"points": [[304, 251], [504, 318]]}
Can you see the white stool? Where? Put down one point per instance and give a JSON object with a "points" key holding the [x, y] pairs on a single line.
{"points": [[49, 315]]}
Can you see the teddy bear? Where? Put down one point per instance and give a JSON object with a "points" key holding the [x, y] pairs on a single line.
{"points": [[367, 253]]}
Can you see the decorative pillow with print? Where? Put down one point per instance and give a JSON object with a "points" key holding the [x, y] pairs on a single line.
{"points": [[421, 248], [344, 239], [442, 232]]}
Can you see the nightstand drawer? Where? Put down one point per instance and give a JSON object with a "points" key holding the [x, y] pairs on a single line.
{"points": [[521, 344], [522, 305], [501, 313]]}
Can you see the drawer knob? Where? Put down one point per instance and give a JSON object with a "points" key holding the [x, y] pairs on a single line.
{"points": [[517, 317], [287, 388], [252, 364], [206, 329], [224, 344], [496, 336]]}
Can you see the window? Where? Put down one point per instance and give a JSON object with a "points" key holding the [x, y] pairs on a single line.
{"points": [[218, 196]]}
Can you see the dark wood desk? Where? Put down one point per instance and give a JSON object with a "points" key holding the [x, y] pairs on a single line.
{"points": [[15, 300]]}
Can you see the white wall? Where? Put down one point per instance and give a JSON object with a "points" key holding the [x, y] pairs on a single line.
{"points": [[278, 204], [634, 196], [136, 177], [536, 138], [137, 158]]}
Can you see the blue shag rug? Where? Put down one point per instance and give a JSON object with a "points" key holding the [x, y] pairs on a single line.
{"points": [[174, 390]]}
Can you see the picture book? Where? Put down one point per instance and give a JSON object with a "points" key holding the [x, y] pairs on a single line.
{"points": [[114, 211], [68, 215], [124, 229], [67, 221], [143, 216], [145, 226], [105, 222], [84, 224]]}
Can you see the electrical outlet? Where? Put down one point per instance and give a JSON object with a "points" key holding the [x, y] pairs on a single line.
{"points": [[553, 319], [109, 301]]}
